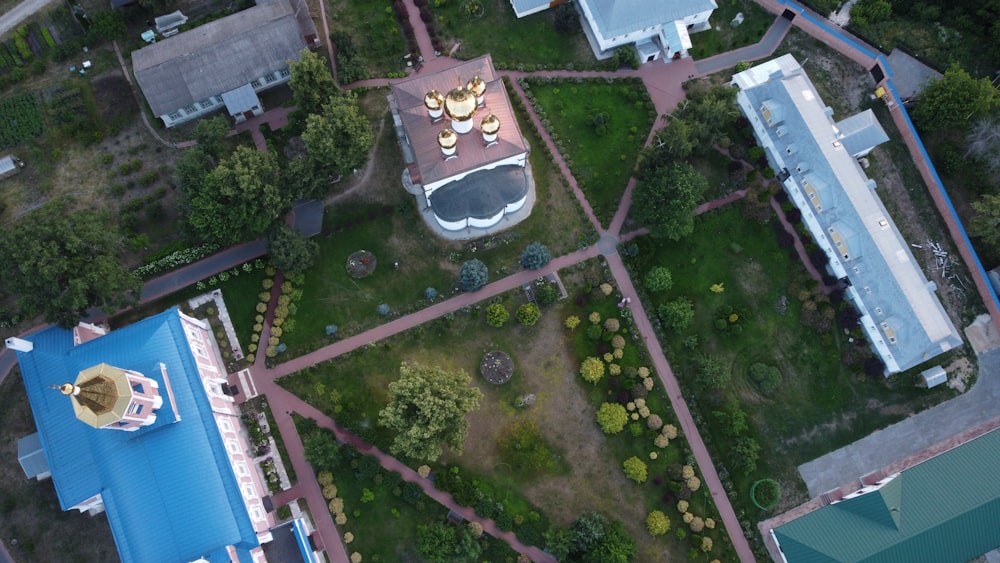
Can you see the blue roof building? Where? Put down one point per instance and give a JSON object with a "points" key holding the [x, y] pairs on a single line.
{"points": [[656, 28], [178, 485], [816, 159]]}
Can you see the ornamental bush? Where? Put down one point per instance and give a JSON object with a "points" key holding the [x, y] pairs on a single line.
{"points": [[572, 322], [658, 279], [528, 314], [612, 325], [535, 256], [693, 483], [657, 523], [676, 315], [618, 341], [473, 276], [612, 418], [594, 318], [497, 315], [697, 524], [670, 431], [682, 506], [430, 294], [635, 469], [592, 369]]}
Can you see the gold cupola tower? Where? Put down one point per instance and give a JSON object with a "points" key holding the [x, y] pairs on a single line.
{"points": [[434, 102], [490, 126], [478, 88], [105, 396], [460, 105], [447, 140]]}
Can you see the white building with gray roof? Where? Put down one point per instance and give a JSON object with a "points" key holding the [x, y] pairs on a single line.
{"points": [[659, 29], [816, 159], [224, 63]]}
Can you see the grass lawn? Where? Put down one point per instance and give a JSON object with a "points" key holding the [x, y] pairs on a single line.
{"points": [[821, 404], [353, 388], [723, 36], [531, 40], [382, 218], [600, 127], [373, 29]]}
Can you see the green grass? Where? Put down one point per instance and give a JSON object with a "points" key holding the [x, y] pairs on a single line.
{"points": [[822, 404], [512, 41], [601, 156], [723, 36], [373, 29]]}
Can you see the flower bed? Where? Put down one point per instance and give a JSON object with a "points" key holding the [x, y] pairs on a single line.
{"points": [[497, 367], [361, 264]]}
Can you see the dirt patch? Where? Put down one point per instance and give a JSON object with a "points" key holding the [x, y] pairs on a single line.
{"points": [[960, 371], [113, 98]]}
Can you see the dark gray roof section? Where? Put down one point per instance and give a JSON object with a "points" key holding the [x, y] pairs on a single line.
{"points": [[307, 217], [480, 195], [861, 132], [909, 75], [283, 547], [31, 456], [221, 55]]}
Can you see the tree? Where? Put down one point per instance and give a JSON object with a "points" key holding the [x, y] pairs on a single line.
{"points": [[678, 138], [665, 200], [61, 263], [559, 542], [868, 12], [713, 371], [635, 469], [592, 369], [238, 200], [983, 143], [291, 252], [588, 531], [109, 25], [745, 453], [437, 543], [339, 136], [566, 19], [612, 418], [473, 276], [535, 256], [676, 315], [311, 83], [658, 279], [321, 449], [657, 523], [985, 222], [953, 100], [427, 408], [497, 315], [211, 134], [615, 546], [528, 314]]}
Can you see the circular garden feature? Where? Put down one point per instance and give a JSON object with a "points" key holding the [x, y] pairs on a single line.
{"points": [[765, 494], [497, 367], [361, 264]]}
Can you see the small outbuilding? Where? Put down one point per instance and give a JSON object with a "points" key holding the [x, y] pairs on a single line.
{"points": [[10, 165], [933, 377]]}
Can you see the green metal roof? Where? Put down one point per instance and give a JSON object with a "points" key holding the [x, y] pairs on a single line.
{"points": [[944, 509]]}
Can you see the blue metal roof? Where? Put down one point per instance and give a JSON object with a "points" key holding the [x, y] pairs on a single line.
{"points": [[525, 7], [168, 489], [901, 314]]}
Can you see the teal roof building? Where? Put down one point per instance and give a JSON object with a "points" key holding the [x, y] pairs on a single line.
{"points": [[946, 509]]}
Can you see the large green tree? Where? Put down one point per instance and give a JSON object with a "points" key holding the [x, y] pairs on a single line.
{"points": [[954, 100], [666, 197], [427, 408], [985, 222], [339, 136], [291, 252], [61, 263], [239, 199], [312, 82]]}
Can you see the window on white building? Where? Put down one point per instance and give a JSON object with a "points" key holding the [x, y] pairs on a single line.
{"points": [[175, 115]]}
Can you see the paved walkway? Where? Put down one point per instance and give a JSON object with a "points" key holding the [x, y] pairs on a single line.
{"points": [[764, 48]]}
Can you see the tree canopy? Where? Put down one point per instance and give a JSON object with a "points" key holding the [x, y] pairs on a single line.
{"points": [[954, 100], [312, 82], [339, 135], [427, 408], [61, 263], [291, 252], [666, 197], [239, 199]]}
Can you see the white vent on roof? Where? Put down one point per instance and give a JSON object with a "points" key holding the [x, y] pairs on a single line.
{"points": [[802, 167], [781, 131], [872, 184], [791, 149], [828, 111]]}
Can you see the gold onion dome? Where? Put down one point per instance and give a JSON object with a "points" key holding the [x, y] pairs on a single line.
{"points": [[477, 86], [433, 100], [490, 124], [447, 139], [460, 104]]}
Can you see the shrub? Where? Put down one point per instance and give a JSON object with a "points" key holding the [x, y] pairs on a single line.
{"points": [[706, 544], [473, 276], [670, 431], [430, 294], [535, 256], [612, 325], [657, 523], [528, 314], [661, 441], [618, 341], [693, 483], [682, 506], [696, 524], [767, 378], [592, 369], [654, 422], [658, 279], [612, 418], [497, 315], [635, 469], [383, 309], [572, 322], [606, 289], [676, 315], [594, 318]]}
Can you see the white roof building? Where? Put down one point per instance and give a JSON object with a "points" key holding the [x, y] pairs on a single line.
{"points": [[815, 158], [657, 28]]}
